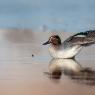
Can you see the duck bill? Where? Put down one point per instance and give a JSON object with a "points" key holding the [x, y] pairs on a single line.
{"points": [[46, 43]]}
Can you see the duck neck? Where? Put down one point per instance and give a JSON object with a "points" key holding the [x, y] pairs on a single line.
{"points": [[56, 45]]}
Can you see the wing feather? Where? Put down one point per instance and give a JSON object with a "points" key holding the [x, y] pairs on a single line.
{"points": [[82, 38]]}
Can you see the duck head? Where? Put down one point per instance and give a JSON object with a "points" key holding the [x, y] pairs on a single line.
{"points": [[54, 40]]}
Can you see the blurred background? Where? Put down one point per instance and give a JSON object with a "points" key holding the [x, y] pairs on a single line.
{"points": [[38, 15]]}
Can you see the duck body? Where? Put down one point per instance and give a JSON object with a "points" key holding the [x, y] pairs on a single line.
{"points": [[71, 46], [62, 52]]}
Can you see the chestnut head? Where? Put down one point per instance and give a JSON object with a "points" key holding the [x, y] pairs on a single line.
{"points": [[54, 40]]}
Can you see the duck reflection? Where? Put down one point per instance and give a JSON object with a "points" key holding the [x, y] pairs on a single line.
{"points": [[72, 69]]}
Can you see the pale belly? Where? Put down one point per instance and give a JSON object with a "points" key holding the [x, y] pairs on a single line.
{"points": [[64, 53]]}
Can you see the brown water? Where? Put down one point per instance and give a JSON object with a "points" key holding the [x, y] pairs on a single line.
{"points": [[24, 61]]}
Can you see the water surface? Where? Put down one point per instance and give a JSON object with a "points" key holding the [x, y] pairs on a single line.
{"points": [[24, 74]]}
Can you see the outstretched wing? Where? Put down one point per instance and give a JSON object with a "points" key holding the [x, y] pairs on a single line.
{"points": [[82, 38]]}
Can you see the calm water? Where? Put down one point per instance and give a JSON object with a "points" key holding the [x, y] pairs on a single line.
{"points": [[27, 69]]}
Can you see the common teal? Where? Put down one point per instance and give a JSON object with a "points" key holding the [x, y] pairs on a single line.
{"points": [[71, 46]]}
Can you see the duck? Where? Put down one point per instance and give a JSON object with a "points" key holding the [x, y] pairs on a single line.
{"points": [[71, 46]]}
